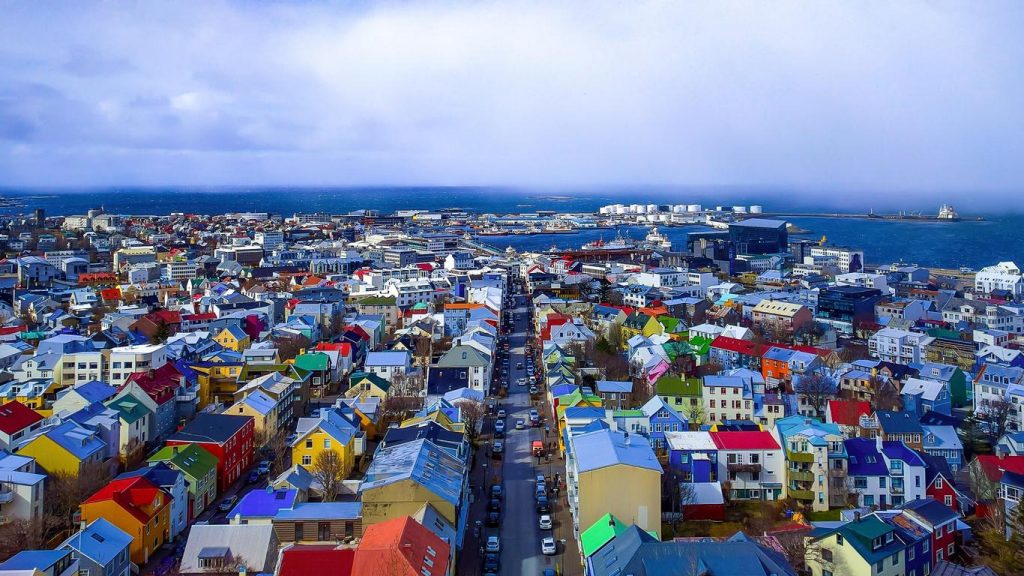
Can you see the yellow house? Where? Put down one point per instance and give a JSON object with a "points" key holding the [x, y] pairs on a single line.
{"points": [[864, 547], [66, 449], [136, 506], [608, 472], [331, 431], [365, 384], [437, 416], [218, 381], [263, 409], [233, 338], [404, 477]]}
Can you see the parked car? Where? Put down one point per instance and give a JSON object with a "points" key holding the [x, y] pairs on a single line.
{"points": [[545, 522], [496, 491], [493, 519], [227, 504], [548, 546], [543, 506], [493, 544], [501, 415], [492, 562], [520, 424], [534, 391], [494, 505], [253, 478], [264, 467], [497, 449]]}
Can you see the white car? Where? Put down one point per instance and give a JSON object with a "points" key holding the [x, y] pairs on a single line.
{"points": [[520, 424], [501, 413], [545, 522], [494, 544], [547, 546]]}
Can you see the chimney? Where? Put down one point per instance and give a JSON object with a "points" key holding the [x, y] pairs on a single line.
{"points": [[626, 435], [174, 450], [856, 516]]}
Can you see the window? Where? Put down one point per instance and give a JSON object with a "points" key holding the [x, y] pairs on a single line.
{"points": [[307, 460], [910, 553], [826, 554], [938, 482], [754, 458], [879, 565], [895, 559], [881, 481], [327, 443], [948, 500], [949, 550], [309, 442], [839, 539]]}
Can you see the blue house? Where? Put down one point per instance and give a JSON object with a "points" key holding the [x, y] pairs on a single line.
{"points": [[920, 396], [944, 442], [657, 417], [260, 506], [47, 562], [101, 548], [694, 455]]}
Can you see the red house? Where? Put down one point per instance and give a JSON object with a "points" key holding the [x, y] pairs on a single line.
{"points": [[992, 467], [707, 503], [940, 481], [231, 438], [325, 560], [405, 546], [938, 519], [16, 422]]}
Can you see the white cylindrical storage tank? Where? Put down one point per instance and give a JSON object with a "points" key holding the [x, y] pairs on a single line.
{"points": [[755, 209], [665, 217], [719, 208], [620, 209], [739, 209], [676, 209], [602, 210], [651, 217], [693, 207], [651, 208]]}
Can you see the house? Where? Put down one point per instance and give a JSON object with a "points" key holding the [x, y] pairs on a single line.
{"points": [[173, 482], [135, 420], [405, 546], [939, 482], [235, 548], [652, 420], [139, 508], [388, 365], [66, 448], [727, 397], [263, 410], [478, 364], [816, 461], [867, 546], [403, 478], [21, 488], [920, 396], [331, 431], [233, 338], [41, 563], [634, 551], [733, 353], [321, 373], [313, 522], [598, 464], [694, 455], [898, 346], [779, 314], [229, 438], [706, 503], [79, 396], [683, 395], [847, 415], [200, 470], [17, 422], [301, 560], [943, 441], [940, 521], [261, 506], [158, 388], [753, 464], [102, 549], [900, 426], [365, 384]]}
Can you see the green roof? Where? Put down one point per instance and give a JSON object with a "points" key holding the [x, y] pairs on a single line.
{"points": [[130, 408], [600, 533], [313, 362], [358, 377], [193, 460], [377, 301], [672, 385], [670, 323], [628, 414]]}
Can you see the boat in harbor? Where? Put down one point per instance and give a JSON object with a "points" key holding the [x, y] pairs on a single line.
{"points": [[948, 214]]}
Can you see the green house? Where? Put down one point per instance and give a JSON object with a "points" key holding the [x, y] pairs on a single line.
{"points": [[200, 470]]}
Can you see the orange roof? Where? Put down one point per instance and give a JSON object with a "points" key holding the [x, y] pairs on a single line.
{"points": [[462, 306], [404, 544]]}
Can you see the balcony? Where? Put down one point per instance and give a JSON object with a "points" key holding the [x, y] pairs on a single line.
{"points": [[895, 489], [752, 468], [837, 472], [802, 494], [801, 475], [186, 397], [6, 496], [806, 457], [895, 471]]}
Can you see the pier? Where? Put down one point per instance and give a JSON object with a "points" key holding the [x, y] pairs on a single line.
{"points": [[874, 216]]}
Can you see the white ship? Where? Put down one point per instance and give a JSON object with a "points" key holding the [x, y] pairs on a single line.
{"points": [[658, 240], [947, 212]]}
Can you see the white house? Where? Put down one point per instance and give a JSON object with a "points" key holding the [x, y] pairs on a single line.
{"points": [[1002, 276]]}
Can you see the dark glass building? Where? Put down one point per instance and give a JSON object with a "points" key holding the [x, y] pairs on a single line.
{"points": [[759, 236], [851, 304]]}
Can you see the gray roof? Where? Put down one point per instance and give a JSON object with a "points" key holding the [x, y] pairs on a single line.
{"points": [[256, 544], [605, 448]]}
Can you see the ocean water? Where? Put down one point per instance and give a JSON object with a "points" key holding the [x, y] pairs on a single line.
{"points": [[950, 245]]}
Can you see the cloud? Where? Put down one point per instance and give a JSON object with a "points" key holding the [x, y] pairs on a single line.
{"points": [[914, 96]]}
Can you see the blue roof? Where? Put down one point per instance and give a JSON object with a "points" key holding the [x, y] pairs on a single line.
{"points": [[896, 450], [264, 503], [34, 559], [321, 511], [159, 474], [260, 402], [100, 541], [562, 390], [864, 459], [76, 439], [614, 386], [94, 391], [420, 461], [604, 448], [584, 412], [898, 422]]}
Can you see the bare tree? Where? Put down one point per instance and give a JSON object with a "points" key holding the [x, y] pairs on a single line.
{"points": [[329, 470], [66, 491], [885, 395], [818, 388], [472, 415], [397, 408], [288, 347], [695, 414], [994, 416], [614, 336], [20, 534], [1004, 554]]}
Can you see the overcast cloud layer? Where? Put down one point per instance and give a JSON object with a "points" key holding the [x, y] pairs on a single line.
{"points": [[906, 95]]}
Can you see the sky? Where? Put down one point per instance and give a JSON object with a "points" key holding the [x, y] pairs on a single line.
{"points": [[865, 97]]}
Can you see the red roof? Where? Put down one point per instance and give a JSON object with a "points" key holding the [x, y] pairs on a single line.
{"points": [[342, 348], [15, 416], [200, 317], [168, 316], [137, 495], [744, 440], [109, 294], [160, 384], [848, 412], [8, 330], [993, 466], [740, 346], [425, 266], [402, 543], [323, 560]]}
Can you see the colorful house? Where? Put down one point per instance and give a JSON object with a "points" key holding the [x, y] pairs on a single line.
{"points": [[865, 547], [102, 549], [136, 506], [65, 449], [233, 338], [808, 443], [364, 384], [200, 470], [683, 395], [331, 431], [753, 464], [229, 438], [402, 547]]}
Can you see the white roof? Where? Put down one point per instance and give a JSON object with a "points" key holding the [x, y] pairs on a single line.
{"points": [[699, 440], [927, 389]]}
